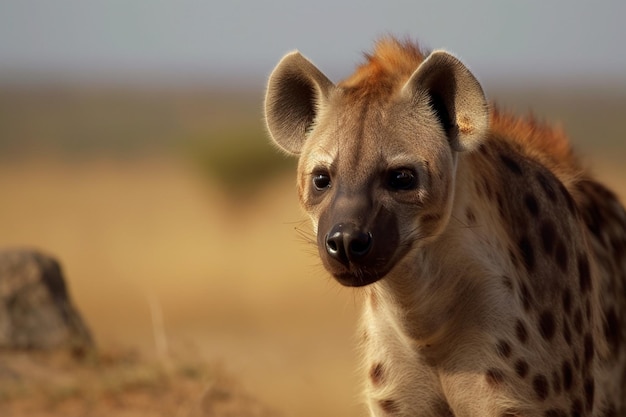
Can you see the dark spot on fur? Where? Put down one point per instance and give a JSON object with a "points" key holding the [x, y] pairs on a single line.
{"points": [[584, 273], [571, 205], [566, 370], [540, 385], [548, 236], [494, 376], [612, 330], [520, 330], [577, 408], [560, 255], [511, 164], [389, 406], [531, 204], [589, 393], [578, 321], [377, 374], [527, 252], [547, 187], [588, 352], [503, 348], [619, 247], [521, 368], [547, 325], [567, 300], [443, 409], [594, 220], [469, 215]]}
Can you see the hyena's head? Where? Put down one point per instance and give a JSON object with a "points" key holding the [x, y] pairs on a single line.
{"points": [[377, 152]]}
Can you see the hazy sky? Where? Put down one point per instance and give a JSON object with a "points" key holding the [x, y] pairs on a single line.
{"points": [[204, 40]]}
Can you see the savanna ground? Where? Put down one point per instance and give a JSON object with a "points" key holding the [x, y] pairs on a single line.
{"points": [[179, 232]]}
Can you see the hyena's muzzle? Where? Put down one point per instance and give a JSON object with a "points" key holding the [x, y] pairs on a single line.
{"points": [[357, 240]]}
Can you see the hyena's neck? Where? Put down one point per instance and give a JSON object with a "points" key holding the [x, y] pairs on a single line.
{"points": [[440, 291]]}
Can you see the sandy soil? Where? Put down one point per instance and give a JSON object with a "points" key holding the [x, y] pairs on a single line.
{"points": [[235, 284]]}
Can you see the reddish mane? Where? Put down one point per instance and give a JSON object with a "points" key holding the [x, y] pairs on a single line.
{"points": [[388, 67]]}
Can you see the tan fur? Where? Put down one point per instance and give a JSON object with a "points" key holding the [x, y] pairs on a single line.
{"points": [[499, 286]]}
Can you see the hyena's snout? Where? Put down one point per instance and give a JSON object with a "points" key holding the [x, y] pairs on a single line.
{"points": [[358, 250], [348, 243]]}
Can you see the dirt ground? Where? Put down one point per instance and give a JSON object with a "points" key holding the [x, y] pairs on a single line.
{"points": [[191, 297]]}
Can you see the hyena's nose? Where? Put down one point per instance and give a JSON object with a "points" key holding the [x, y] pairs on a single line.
{"points": [[347, 243]]}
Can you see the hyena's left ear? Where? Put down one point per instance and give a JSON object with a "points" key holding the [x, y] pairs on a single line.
{"points": [[456, 98], [296, 91]]}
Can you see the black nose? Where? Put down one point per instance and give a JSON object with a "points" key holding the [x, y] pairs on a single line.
{"points": [[347, 243]]}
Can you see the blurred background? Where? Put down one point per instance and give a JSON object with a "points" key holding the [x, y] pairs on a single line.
{"points": [[132, 148]]}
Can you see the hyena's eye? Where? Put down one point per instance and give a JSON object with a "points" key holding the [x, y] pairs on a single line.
{"points": [[402, 179], [321, 180]]}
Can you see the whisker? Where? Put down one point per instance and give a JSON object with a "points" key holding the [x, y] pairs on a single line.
{"points": [[305, 236], [302, 221]]}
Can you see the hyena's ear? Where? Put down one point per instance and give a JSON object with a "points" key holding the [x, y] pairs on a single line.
{"points": [[455, 96], [296, 91]]}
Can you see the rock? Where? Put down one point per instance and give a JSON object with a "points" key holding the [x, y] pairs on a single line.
{"points": [[35, 308]]}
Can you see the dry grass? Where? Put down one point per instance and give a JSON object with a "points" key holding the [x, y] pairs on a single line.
{"points": [[120, 384]]}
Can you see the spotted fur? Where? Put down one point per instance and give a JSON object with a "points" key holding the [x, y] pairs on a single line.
{"points": [[499, 286]]}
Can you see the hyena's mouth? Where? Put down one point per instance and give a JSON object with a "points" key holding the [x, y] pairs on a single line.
{"points": [[357, 277], [356, 256]]}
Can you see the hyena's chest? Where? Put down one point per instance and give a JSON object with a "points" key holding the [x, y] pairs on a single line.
{"points": [[400, 381]]}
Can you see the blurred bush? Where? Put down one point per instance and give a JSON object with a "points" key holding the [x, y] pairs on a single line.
{"points": [[240, 160]]}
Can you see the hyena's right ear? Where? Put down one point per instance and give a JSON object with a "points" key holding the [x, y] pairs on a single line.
{"points": [[296, 91], [456, 98]]}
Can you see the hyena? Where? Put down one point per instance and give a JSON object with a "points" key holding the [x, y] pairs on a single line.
{"points": [[492, 264]]}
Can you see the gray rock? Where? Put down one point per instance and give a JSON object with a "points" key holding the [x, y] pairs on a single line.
{"points": [[35, 308]]}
